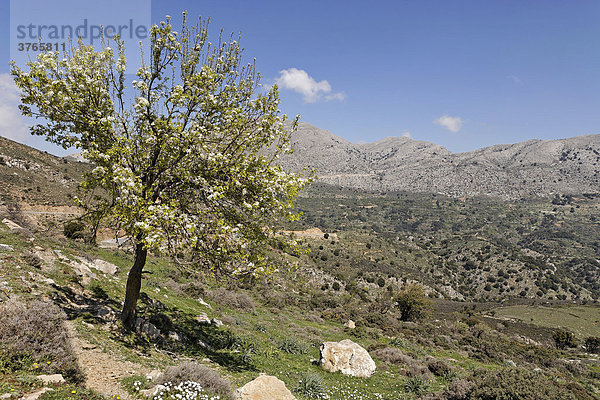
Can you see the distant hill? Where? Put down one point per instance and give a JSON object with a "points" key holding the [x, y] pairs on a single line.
{"points": [[529, 168], [35, 177]]}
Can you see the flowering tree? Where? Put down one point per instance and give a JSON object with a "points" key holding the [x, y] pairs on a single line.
{"points": [[187, 164]]}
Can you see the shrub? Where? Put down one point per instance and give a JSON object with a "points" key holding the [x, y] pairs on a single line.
{"points": [[592, 344], [563, 339], [439, 367], [390, 355], [209, 380], [35, 335], [513, 383], [74, 229], [412, 302], [240, 301], [417, 385], [292, 346], [458, 389], [311, 386], [336, 314]]}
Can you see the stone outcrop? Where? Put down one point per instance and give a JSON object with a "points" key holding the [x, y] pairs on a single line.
{"points": [[347, 357], [47, 379], [105, 267], [264, 387]]}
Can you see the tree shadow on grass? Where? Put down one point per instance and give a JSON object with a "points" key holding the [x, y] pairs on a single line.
{"points": [[218, 344], [196, 340]]}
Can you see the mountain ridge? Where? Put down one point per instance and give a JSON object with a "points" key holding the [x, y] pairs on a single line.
{"points": [[533, 167]]}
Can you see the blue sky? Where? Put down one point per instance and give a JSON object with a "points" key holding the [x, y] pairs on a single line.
{"points": [[463, 74]]}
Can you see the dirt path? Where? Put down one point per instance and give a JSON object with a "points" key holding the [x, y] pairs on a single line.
{"points": [[103, 371]]}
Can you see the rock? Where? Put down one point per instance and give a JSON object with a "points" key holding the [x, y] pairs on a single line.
{"points": [[202, 318], [205, 304], [37, 394], [138, 324], [82, 269], [205, 345], [56, 378], [115, 243], [106, 313], [149, 330], [217, 322], [60, 255], [175, 337], [6, 396], [153, 375], [264, 387], [350, 324], [105, 267], [347, 357], [510, 363], [12, 226], [6, 247], [152, 391]]}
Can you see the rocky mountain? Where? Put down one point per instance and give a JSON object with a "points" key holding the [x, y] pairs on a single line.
{"points": [[533, 167]]}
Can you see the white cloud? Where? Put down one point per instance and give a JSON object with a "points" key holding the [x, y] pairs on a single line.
{"points": [[406, 134], [299, 81], [12, 124], [515, 79], [453, 124]]}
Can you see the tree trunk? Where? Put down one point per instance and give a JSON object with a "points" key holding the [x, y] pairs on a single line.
{"points": [[134, 284]]}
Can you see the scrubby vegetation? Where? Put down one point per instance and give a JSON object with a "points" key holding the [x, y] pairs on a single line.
{"points": [[33, 337], [209, 380]]}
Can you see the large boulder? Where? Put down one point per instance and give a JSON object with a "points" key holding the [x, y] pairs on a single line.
{"points": [[264, 387], [347, 357]]}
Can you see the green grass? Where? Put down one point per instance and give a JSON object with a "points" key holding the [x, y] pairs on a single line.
{"points": [[583, 321]]}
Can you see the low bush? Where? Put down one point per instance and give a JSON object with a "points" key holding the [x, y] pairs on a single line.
{"points": [[592, 344], [390, 355], [563, 339], [208, 379], [34, 336], [512, 383], [311, 386], [229, 298], [292, 346], [416, 385], [74, 229], [439, 368]]}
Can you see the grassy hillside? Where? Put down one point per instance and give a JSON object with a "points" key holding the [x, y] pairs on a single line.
{"points": [[276, 326], [502, 278]]}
